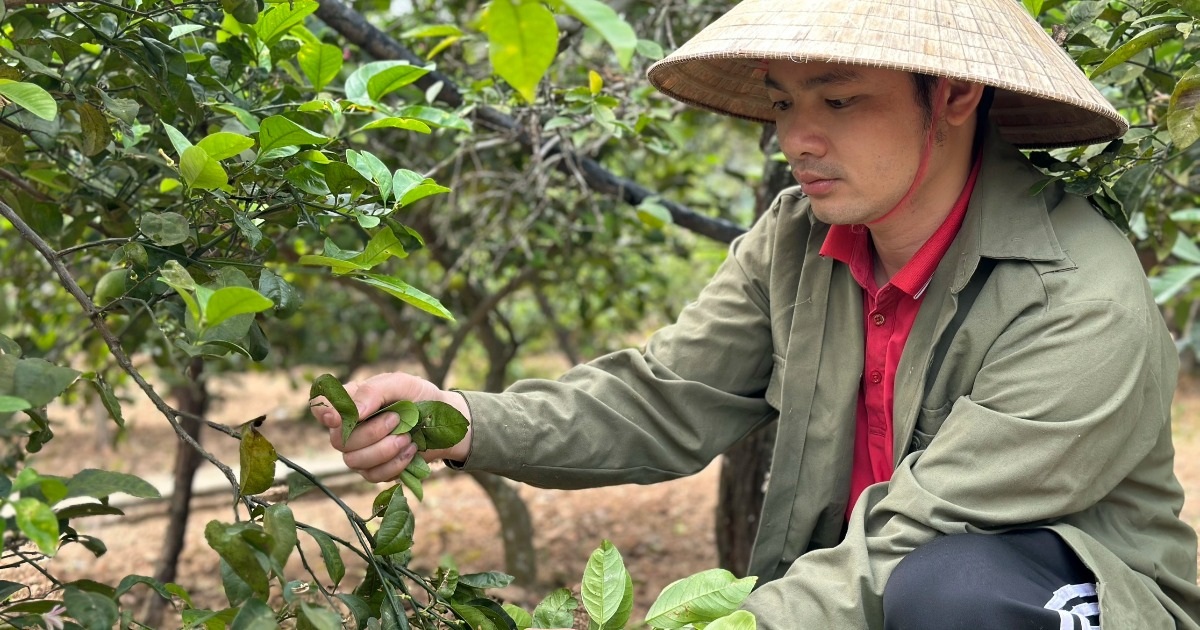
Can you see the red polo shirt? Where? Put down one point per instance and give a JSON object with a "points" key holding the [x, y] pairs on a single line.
{"points": [[888, 316]]}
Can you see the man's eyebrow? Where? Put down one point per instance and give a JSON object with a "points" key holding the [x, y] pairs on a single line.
{"points": [[841, 75]]}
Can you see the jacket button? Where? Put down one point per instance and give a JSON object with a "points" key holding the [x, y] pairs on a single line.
{"points": [[876, 377], [879, 319]]}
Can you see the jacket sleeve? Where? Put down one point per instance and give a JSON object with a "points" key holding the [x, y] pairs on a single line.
{"points": [[645, 416], [1066, 404]]}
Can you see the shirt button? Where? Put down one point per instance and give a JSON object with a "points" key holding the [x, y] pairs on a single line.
{"points": [[876, 377], [879, 319]]}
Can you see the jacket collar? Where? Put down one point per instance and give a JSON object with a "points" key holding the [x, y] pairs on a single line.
{"points": [[1005, 220]]}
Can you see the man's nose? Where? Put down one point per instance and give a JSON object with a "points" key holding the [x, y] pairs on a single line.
{"points": [[801, 136]]}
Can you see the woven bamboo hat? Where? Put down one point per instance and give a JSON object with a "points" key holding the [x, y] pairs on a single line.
{"points": [[1042, 98]]}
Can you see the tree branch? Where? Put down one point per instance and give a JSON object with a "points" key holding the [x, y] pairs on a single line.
{"points": [[355, 28], [114, 345]]}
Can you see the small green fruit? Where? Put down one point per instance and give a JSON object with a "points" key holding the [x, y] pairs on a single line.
{"points": [[112, 285]]}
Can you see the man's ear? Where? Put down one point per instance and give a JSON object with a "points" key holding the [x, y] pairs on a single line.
{"points": [[962, 97]]}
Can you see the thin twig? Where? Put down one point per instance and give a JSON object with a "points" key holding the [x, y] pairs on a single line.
{"points": [[20, 182]]}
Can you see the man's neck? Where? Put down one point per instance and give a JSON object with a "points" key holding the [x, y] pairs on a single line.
{"points": [[897, 238]]}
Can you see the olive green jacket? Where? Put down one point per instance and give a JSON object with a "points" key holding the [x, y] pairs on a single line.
{"points": [[1035, 391]]}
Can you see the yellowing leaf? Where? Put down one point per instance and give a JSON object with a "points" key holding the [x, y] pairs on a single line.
{"points": [[522, 43]]}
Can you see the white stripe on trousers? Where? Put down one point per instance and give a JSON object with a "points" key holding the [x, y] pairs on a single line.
{"points": [[1081, 611]]}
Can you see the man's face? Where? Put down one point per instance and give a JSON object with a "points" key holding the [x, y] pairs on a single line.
{"points": [[853, 135]]}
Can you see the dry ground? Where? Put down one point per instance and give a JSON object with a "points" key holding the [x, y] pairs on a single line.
{"points": [[663, 531]]}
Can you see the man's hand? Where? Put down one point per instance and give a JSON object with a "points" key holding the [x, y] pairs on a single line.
{"points": [[372, 451]]}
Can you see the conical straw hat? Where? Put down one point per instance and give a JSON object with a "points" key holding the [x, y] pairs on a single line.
{"points": [[1042, 98]]}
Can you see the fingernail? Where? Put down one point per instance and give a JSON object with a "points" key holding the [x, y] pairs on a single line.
{"points": [[409, 452]]}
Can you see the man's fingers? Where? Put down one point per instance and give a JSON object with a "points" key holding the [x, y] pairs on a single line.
{"points": [[388, 469]]}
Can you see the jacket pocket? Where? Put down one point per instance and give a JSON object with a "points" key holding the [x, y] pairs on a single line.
{"points": [[929, 422], [774, 393]]}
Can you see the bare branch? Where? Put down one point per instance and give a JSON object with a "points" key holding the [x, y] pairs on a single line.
{"points": [[355, 28]]}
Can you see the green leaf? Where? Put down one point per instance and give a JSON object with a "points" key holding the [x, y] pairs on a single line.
{"points": [[91, 482], [330, 387], [411, 482], [230, 301], [83, 510], [1034, 7], [1172, 281], [408, 412], [200, 171], [410, 187], [520, 616], [280, 525], [93, 611], [604, 20], [1184, 127], [556, 611], [166, 228], [224, 145], [653, 214], [607, 588], [739, 620], [179, 30], [1135, 45], [31, 97], [277, 21], [38, 381], [396, 530], [256, 456], [1185, 249], [442, 426], [435, 117], [358, 607], [486, 580], [277, 132], [248, 120], [285, 297], [393, 122], [431, 30], [321, 63], [372, 169], [522, 43], [649, 49], [108, 399], [403, 291], [237, 591], [298, 485], [234, 549], [8, 588], [330, 554], [39, 524], [699, 598], [254, 615], [356, 86], [244, 11], [178, 140], [10, 404], [317, 618], [130, 581], [391, 79]]}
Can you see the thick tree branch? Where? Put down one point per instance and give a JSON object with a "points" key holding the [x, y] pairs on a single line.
{"points": [[355, 28], [114, 345]]}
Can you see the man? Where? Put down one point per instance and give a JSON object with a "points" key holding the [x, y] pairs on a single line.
{"points": [[972, 381]]}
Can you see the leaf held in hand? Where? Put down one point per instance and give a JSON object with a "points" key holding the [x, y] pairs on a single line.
{"points": [[330, 387], [442, 426]]}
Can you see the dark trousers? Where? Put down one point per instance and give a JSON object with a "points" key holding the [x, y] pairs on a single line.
{"points": [[1028, 579]]}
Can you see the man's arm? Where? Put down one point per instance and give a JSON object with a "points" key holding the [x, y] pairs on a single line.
{"points": [[631, 416]]}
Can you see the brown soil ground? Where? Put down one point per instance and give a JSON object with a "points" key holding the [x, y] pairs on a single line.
{"points": [[664, 531]]}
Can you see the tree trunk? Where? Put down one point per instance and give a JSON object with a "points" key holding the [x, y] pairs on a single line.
{"points": [[746, 465], [192, 398], [516, 527]]}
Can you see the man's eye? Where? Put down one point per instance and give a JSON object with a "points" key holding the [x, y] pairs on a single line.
{"points": [[781, 105], [838, 103]]}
